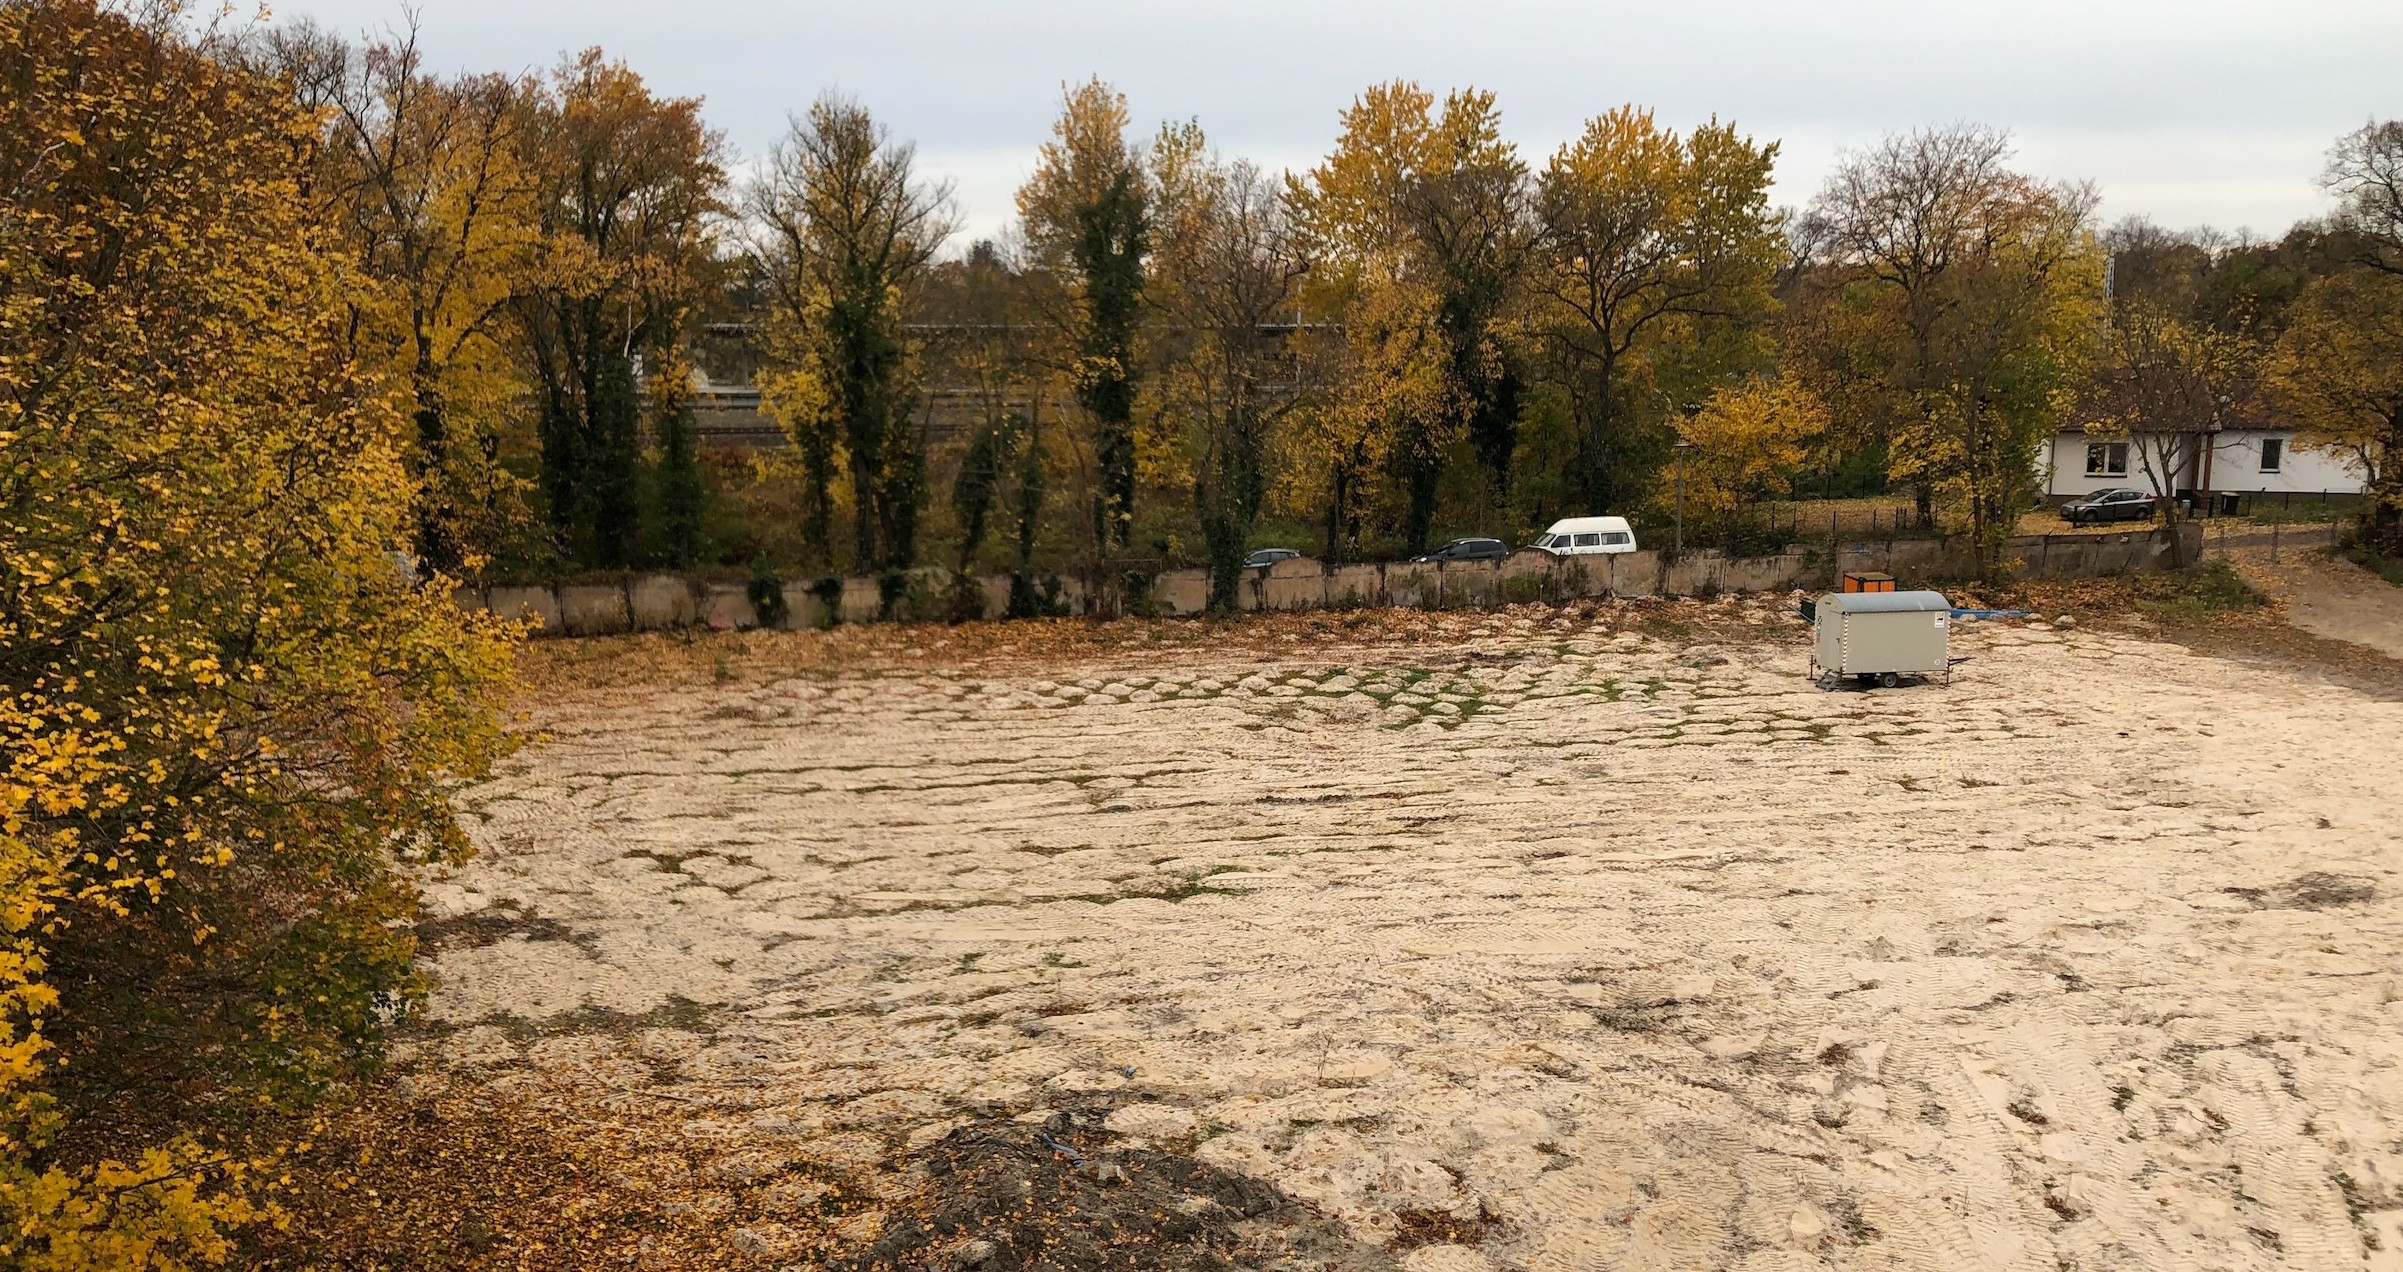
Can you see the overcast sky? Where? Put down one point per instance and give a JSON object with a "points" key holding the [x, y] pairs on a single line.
{"points": [[2188, 111]]}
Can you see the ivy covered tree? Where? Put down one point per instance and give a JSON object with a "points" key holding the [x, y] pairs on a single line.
{"points": [[626, 188], [683, 487], [1087, 214], [845, 232]]}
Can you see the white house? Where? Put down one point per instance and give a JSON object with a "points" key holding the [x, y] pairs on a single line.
{"points": [[2248, 460], [2167, 419]]}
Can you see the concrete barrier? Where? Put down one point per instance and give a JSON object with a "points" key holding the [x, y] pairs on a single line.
{"points": [[661, 602], [1356, 586], [725, 605], [665, 601], [863, 601], [1182, 591], [594, 609], [1293, 583], [539, 605], [1413, 586]]}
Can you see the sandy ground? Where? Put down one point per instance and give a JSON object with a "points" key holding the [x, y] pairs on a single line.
{"points": [[1641, 953]]}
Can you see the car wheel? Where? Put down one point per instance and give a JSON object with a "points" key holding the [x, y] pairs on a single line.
{"points": [[1888, 680]]}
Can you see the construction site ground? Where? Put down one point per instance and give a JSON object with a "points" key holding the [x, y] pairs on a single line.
{"points": [[1542, 938]]}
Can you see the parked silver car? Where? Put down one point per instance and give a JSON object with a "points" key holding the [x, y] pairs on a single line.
{"points": [[2109, 505]]}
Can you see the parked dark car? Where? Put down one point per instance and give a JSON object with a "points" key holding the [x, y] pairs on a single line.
{"points": [[2109, 505], [1468, 550], [1268, 557]]}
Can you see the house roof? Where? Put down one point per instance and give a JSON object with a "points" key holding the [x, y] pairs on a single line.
{"points": [[2163, 400]]}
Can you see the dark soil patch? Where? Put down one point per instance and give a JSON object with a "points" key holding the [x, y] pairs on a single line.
{"points": [[1415, 1228], [1002, 1197], [2319, 890], [488, 927]]}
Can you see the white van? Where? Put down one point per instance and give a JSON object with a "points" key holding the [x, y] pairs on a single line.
{"points": [[1587, 536]]}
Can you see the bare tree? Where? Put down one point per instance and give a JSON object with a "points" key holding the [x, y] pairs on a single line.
{"points": [[2365, 170]]}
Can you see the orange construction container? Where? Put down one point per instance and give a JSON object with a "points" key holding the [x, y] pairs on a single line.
{"points": [[1870, 581]]}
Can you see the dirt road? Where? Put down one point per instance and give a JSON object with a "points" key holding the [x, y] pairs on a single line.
{"points": [[2335, 599], [1630, 952]]}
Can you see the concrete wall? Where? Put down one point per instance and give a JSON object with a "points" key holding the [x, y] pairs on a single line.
{"points": [[664, 602]]}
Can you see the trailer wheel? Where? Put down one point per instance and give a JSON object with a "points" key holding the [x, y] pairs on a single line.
{"points": [[1887, 680]]}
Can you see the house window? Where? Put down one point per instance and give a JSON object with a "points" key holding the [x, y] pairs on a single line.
{"points": [[2106, 459], [2273, 453]]}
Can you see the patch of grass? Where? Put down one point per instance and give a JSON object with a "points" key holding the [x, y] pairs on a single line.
{"points": [[2361, 554], [2192, 594]]}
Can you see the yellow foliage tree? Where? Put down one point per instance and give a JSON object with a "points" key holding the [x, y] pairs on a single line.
{"points": [[1743, 447], [223, 708], [2338, 370], [424, 180], [1648, 237]]}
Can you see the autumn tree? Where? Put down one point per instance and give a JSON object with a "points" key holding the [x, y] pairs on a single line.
{"points": [[2338, 370], [1225, 270], [1417, 230], [224, 713], [424, 179], [626, 189], [682, 485], [1648, 239], [844, 229], [1086, 213], [1956, 300], [1743, 446]]}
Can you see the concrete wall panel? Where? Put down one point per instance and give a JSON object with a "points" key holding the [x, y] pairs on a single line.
{"points": [[661, 602], [1354, 586], [539, 605], [593, 609], [1182, 591], [727, 606]]}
